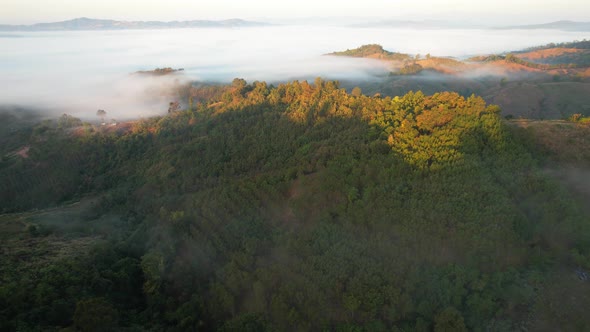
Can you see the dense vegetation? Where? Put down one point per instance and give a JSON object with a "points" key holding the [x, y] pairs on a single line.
{"points": [[560, 60], [160, 71], [574, 61], [296, 207], [584, 44], [374, 51], [514, 59], [552, 84], [409, 69]]}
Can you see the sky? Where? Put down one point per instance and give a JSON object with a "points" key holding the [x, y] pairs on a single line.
{"points": [[496, 12]]}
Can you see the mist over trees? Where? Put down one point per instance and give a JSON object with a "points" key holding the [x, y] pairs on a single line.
{"points": [[293, 207]]}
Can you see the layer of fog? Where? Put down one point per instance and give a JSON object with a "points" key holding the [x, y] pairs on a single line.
{"points": [[80, 72]]}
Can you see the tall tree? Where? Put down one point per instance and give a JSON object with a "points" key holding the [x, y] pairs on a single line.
{"points": [[101, 114]]}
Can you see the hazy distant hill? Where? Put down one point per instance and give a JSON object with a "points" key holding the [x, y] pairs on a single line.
{"points": [[439, 24], [426, 24], [84, 23], [373, 51], [559, 25]]}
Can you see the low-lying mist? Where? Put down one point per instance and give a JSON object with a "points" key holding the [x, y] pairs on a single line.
{"points": [[122, 96], [81, 72]]}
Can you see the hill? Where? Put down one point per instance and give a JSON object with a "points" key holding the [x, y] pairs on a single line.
{"points": [[160, 71], [576, 53], [568, 60], [424, 24], [441, 24], [372, 51], [84, 23], [558, 25], [558, 56], [291, 207], [583, 44], [553, 78]]}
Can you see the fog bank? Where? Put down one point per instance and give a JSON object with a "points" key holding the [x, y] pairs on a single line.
{"points": [[80, 72]]}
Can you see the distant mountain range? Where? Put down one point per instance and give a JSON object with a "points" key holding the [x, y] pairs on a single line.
{"points": [[559, 25], [426, 24], [438, 24], [84, 23]]}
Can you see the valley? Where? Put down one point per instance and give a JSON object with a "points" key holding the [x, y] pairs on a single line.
{"points": [[176, 168]]}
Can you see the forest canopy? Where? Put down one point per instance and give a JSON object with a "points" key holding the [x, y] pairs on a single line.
{"points": [[291, 207]]}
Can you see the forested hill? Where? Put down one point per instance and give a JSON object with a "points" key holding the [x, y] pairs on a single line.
{"points": [[296, 207], [374, 51], [548, 82]]}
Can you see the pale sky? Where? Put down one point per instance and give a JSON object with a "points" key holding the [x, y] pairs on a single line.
{"points": [[496, 11]]}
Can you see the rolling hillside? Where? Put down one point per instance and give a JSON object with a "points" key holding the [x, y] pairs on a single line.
{"points": [[299, 207], [549, 82]]}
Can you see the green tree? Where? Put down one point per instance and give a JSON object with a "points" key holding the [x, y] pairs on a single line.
{"points": [[449, 320], [95, 315], [246, 323]]}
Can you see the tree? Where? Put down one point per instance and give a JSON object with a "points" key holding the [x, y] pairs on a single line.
{"points": [[351, 303], [95, 314], [173, 106], [357, 92], [450, 319], [246, 322], [68, 121], [101, 114], [239, 83], [575, 117]]}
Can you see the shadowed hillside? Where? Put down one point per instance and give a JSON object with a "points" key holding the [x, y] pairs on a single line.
{"points": [[290, 207]]}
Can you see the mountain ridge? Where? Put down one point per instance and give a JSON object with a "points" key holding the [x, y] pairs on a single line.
{"points": [[85, 23], [564, 25]]}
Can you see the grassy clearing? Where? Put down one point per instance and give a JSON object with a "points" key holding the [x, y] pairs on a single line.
{"points": [[563, 142], [35, 239]]}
